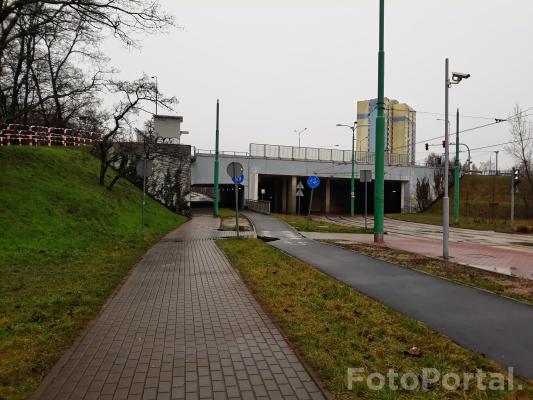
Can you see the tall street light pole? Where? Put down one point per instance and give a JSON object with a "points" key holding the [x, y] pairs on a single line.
{"points": [[216, 189], [156, 93], [456, 78], [352, 191], [300, 136], [446, 199], [457, 173], [379, 184]]}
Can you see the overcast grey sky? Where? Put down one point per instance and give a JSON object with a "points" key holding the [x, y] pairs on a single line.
{"points": [[281, 65]]}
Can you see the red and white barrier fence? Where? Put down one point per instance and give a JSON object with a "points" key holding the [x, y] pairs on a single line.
{"points": [[14, 137]]}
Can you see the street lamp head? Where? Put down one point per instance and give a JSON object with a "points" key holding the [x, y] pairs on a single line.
{"points": [[348, 126], [459, 76]]}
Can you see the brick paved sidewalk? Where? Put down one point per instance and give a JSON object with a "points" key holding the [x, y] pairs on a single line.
{"points": [[183, 326]]}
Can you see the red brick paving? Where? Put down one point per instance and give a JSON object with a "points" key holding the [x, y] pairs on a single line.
{"points": [[508, 260]]}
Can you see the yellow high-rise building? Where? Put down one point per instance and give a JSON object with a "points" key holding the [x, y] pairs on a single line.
{"points": [[400, 125]]}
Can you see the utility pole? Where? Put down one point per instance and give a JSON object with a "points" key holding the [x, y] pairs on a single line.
{"points": [[156, 93], [512, 197], [300, 136], [457, 175], [457, 77], [379, 184], [237, 209], [215, 197], [446, 199], [497, 172], [352, 182], [144, 197]]}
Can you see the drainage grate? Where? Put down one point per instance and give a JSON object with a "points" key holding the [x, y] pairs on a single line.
{"points": [[267, 239]]}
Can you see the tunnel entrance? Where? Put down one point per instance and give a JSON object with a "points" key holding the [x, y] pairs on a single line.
{"points": [[331, 197], [202, 196]]}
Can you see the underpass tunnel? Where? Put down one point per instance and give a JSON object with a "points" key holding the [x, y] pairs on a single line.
{"points": [[227, 196], [331, 197], [204, 196]]}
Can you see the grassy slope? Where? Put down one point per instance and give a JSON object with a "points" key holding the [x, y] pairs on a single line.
{"points": [[65, 244], [335, 327], [476, 194]]}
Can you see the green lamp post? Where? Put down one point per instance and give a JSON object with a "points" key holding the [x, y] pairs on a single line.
{"points": [[216, 189], [457, 173], [379, 184]]}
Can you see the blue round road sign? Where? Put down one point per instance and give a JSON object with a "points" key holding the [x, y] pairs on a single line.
{"points": [[313, 182], [238, 180]]}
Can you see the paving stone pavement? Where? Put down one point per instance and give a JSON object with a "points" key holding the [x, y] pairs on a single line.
{"points": [[183, 326]]}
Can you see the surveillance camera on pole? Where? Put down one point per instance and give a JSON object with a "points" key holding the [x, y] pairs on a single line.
{"points": [[458, 77], [455, 79]]}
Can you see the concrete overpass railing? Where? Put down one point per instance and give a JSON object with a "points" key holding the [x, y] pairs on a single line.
{"points": [[262, 207], [270, 151]]}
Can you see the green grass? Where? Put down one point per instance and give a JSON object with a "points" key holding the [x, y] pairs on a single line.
{"points": [[65, 244], [479, 223], [304, 224], [226, 213], [335, 327], [227, 220], [484, 205]]}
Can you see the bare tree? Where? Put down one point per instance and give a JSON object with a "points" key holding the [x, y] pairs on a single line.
{"points": [[521, 129], [123, 17], [521, 149], [40, 80], [423, 194], [134, 96], [47, 47], [127, 154], [485, 166], [434, 160]]}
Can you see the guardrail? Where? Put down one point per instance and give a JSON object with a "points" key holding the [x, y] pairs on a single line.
{"points": [[492, 173], [319, 154], [270, 151], [260, 206], [28, 138], [224, 153]]}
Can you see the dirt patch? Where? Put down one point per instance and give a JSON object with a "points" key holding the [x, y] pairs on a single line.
{"points": [[228, 224]]}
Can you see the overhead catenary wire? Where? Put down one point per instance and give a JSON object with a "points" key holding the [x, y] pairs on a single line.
{"points": [[432, 113], [474, 128]]}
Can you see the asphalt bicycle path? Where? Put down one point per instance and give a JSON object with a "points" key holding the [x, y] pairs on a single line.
{"points": [[499, 328]]}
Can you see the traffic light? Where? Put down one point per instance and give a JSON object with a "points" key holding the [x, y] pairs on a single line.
{"points": [[427, 147], [444, 144], [516, 177]]}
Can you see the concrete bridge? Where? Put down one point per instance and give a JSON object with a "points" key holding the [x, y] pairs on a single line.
{"points": [[272, 173]]}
